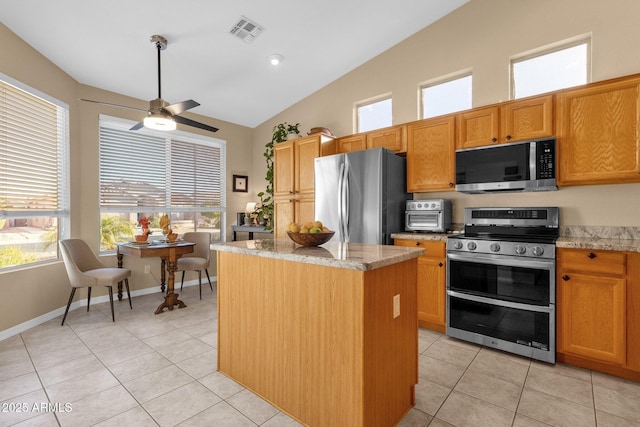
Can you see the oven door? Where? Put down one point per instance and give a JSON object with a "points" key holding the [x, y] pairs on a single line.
{"points": [[503, 277], [424, 221]]}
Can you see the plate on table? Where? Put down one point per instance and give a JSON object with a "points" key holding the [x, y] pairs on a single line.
{"points": [[136, 243]]}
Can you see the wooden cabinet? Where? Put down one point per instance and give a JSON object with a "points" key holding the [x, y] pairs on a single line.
{"points": [[431, 155], [431, 283], [351, 143], [598, 136], [393, 138], [293, 179], [598, 302], [520, 120]]}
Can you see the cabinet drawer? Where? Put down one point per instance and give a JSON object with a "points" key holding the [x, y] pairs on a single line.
{"points": [[591, 261], [432, 248]]}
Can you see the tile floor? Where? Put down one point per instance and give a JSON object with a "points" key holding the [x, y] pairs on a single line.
{"points": [[148, 370]]}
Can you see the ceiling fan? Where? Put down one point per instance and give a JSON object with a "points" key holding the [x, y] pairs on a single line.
{"points": [[161, 115]]}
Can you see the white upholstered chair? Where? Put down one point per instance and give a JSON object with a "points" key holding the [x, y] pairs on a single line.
{"points": [[198, 260], [85, 271]]}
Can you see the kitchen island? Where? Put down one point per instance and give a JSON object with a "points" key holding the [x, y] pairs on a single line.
{"points": [[327, 334]]}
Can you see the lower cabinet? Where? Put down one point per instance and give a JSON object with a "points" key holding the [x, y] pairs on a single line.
{"points": [[431, 282], [598, 302]]}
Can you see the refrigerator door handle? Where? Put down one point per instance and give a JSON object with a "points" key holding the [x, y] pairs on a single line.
{"points": [[345, 193], [340, 203]]}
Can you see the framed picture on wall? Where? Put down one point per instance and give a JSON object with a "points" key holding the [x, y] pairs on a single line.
{"points": [[240, 183]]}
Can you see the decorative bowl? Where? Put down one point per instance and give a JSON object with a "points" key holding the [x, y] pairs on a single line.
{"points": [[172, 237], [324, 131], [310, 239], [141, 237]]}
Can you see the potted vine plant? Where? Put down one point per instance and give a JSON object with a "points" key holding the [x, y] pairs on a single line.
{"points": [[265, 207]]}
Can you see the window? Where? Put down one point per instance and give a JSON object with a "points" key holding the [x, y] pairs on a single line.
{"points": [[551, 69], [374, 115], [34, 199], [149, 173], [448, 96]]}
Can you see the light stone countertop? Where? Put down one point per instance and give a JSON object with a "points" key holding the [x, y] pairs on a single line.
{"points": [[354, 256], [597, 243]]}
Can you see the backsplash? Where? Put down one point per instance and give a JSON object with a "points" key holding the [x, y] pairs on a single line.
{"points": [[600, 232]]}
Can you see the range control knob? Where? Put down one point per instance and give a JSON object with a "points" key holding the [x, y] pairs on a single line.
{"points": [[495, 247], [457, 244], [520, 250], [537, 250], [472, 246]]}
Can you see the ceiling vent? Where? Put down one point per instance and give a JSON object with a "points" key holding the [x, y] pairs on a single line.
{"points": [[246, 30]]}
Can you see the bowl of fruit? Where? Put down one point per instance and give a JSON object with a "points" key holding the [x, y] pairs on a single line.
{"points": [[309, 233]]}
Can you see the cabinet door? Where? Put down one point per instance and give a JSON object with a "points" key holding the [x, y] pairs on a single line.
{"points": [[591, 316], [431, 292], [283, 169], [598, 138], [431, 155], [393, 138], [283, 214], [351, 143], [307, 149], [527, 119], [478, 127], [304, 210]]}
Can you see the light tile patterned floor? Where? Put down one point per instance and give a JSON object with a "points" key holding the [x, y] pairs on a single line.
{"points": [[148, 370]]}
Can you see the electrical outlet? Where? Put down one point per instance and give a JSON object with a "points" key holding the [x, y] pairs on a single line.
{"points": [[396, 305], [147, 269]]}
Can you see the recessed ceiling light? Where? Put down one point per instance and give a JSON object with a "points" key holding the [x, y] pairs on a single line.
{"points": [[275, 59]]}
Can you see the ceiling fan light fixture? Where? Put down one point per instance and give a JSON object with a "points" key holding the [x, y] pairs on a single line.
{"points": [[159, 122], [275, 59]]}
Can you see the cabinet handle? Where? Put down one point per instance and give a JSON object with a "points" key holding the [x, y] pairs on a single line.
{"points": [[494, 139], [417, 243], [440, 264], [291, 192], [508, 137], [451, 185], [565, 277], [591, 255]]}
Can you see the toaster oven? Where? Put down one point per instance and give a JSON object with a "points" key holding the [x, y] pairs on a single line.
{"points": [[428, 215]]}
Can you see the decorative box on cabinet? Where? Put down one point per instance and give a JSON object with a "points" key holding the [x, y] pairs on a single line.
{"points": [[598, 136], [431, 155], [431, 282]]}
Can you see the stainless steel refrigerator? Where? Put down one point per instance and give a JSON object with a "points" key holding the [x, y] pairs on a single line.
{"points": [[361, 195]]}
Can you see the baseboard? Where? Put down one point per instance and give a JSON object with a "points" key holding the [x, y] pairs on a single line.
{"points": [[15, 330]]}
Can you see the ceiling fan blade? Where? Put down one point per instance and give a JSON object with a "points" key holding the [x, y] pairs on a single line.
{"points": [[137, 126], [113, 105], [179, 107], [189, 122]]}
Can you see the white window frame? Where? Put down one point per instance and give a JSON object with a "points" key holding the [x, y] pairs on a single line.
{"points": [[167, 138], [62, 212], [365, 103], [439, 81], [546, 50]]}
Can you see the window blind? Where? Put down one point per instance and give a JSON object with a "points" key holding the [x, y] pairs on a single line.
{"points": [[146, 172], [33, 155]]}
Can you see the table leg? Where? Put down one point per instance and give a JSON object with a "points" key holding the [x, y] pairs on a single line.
{"points": [[163, 262], [251, 235], [171, 299], [233, 235], [120, 256]]}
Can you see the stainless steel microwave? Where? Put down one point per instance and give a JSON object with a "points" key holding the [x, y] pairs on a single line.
{"points": [[521, 166]]}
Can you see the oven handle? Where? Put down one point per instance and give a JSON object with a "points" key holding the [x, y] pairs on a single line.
{"points": [[503, 260], [508, 304]]}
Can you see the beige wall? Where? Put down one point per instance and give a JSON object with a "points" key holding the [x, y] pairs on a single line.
{"points": [[483, 35], [35, 291]]}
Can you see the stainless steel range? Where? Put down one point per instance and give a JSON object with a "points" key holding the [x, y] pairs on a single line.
{"points": [[501, 280]]}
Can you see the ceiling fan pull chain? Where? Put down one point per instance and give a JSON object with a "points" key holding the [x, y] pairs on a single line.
{"points": [[159, 48]]}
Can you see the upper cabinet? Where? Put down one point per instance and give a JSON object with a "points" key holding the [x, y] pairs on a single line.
{"points": [[521, 120], [350, 143], [393, 138], [431, 155], [598, 136]]}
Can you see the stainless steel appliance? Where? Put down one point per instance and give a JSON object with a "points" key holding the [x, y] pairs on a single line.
{"points": [[501, 288], [522, 166], [361, 195], [432, 215]]}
